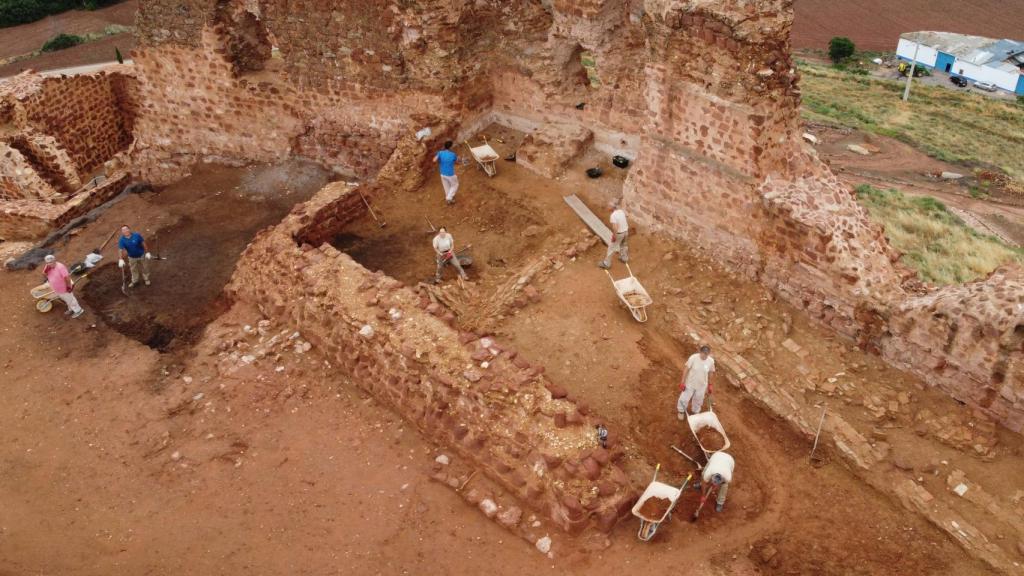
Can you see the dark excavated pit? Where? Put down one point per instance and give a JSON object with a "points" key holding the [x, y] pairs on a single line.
{"points": [[196, 229]]}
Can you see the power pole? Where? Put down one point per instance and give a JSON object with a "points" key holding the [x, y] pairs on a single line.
{"points": [[910, 77]]}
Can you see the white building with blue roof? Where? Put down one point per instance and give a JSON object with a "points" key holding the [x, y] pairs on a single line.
{"points": [[979, 59]]}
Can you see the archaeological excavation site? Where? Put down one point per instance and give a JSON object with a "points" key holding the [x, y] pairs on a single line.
{"points": [[281, 385]]}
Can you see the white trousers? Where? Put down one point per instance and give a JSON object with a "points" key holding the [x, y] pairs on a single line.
{"points": [[621, 245], [451, 186], [692, 396], [71, 302]]}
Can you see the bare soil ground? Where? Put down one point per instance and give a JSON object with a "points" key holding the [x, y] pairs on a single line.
{"points": [[24, 39], [96, 52], [137, 461], [877, 24]]}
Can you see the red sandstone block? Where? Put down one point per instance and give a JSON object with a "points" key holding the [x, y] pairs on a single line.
{"points": [[557, 392]]}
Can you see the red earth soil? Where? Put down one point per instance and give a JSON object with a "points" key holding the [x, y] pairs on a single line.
{"points": [[28, 37], [877, 24]]}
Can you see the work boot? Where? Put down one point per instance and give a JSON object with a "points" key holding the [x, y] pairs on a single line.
{"points": [[681, 415], [603, 265], [147, 281], [77, 314], [719, 506], [132, 284]]}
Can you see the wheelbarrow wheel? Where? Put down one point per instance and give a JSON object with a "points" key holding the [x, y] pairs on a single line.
{"points": [[44, 305]]}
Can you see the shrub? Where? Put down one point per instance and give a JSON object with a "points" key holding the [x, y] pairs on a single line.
{"points": [[62, 41], [15, 12], [840, 48]]}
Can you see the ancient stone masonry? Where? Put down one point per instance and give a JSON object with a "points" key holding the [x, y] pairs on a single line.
{"points": [[703, 96], [464, 390], [55, 135], [975, 331]]}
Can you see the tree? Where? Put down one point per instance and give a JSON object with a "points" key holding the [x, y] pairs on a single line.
{"points": [[840, 48]]}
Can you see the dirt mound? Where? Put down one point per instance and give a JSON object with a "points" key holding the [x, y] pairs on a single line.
{"points": [[655, 508]]}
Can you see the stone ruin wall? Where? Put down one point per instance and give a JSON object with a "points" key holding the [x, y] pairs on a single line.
{"points": [[55, 134], [466, 391], [703, 95]]}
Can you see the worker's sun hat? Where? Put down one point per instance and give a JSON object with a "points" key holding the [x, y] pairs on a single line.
{"points": [[717, 479], [50, 258]]}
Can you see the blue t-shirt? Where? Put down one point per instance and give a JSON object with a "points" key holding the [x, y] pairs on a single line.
{"points": [[447, 158], [132, 245]]}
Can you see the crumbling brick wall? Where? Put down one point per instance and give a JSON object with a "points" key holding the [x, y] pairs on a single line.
{"points": [[703, 95], [56, 131], [194, 106], [471, 393], [83, 114], [968, 340]]}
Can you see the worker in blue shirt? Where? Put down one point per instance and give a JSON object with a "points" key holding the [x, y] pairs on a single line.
{"points": [[132, 246], [446, 158]]}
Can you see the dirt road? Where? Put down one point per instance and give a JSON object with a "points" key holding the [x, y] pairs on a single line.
{"points": [[893, 164]]}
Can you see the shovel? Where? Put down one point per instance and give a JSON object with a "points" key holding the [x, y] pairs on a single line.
{"points": [[687, 456], [703, 500], [380, 222]]}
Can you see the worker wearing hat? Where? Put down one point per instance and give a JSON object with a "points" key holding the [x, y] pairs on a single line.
{"points": [[717, 476], [59, 279]]}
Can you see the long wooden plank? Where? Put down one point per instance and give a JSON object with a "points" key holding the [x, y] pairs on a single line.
{"points": [[589, 218]]}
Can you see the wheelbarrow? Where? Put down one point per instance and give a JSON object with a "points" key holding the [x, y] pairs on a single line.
{"points": [[632, 294], [45, 296], [650, 521], [485, 156], [702, 420]]}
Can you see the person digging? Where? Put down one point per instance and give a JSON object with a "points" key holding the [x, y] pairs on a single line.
{"points": [[444, 252], [716, 477], [132, 245]]}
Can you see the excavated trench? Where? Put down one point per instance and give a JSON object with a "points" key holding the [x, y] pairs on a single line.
{"points": [[201, 225]]}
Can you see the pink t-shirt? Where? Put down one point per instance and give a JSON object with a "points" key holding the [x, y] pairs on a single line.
{"points": [[57, 277]]}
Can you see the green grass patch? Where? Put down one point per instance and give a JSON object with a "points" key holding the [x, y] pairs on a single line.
{"points": [[952, 125], [933, 240]]}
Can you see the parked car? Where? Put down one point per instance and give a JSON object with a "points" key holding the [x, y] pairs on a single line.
{"points": [[958, 81], [986, 86]]}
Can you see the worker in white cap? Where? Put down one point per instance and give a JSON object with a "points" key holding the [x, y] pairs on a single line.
{"points": [[717, 476], [59, 279]]}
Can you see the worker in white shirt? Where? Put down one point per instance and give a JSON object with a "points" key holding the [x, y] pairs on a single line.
{"points": [[620, 236], [717, 476], [696, 381], [444, 250], [91, 260]]}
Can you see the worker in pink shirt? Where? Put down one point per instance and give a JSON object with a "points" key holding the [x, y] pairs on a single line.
{"points": [[60, 281]]}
